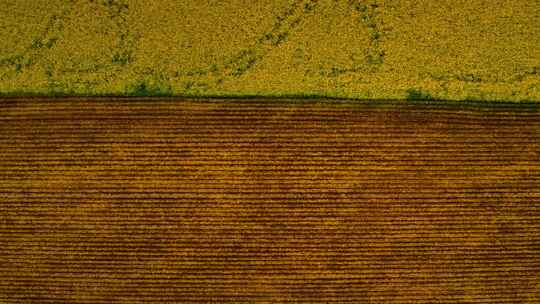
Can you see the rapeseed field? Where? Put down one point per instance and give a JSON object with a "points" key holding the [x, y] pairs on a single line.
{"points": [[370, 49]]}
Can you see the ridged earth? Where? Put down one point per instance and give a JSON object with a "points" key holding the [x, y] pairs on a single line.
{"points": [[186, 201]]}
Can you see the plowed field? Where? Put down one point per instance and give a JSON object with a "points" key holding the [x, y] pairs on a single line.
{"points": [[186, 201]]}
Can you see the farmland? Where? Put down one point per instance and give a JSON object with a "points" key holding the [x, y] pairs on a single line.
{"points": [[265, 201], [375, 49]]}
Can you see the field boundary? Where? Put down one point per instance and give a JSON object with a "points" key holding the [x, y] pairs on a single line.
{"points": [[292, 99]]}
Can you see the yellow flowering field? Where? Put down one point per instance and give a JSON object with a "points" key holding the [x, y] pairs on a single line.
{"points": [[369, 49]]}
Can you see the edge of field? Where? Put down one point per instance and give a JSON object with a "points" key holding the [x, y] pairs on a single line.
{"points": [[284, 100]]}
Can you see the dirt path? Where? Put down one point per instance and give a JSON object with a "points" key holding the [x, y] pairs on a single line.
{"points": [[170, 201]]}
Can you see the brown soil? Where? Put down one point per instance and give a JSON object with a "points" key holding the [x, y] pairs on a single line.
{"points": [[169, 201]]}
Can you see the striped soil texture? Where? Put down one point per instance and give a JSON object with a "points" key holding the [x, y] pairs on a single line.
{"points": [[262, 201]]}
